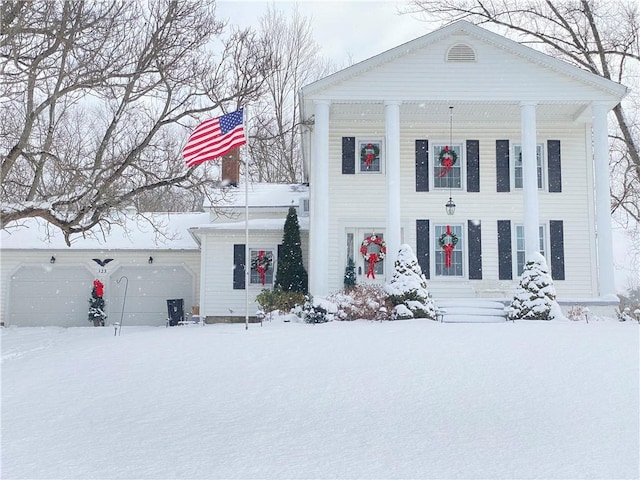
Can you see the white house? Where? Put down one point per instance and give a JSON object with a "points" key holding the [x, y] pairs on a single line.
{"points": [[528, 134], [516, 139]]}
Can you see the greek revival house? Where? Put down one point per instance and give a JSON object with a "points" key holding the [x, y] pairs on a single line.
{"points": [[515, 139]]}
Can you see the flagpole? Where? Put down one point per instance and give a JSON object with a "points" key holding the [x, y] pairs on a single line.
{"points": [[247, 264]]}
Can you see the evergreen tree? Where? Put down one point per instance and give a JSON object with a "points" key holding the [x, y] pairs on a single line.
{"points": [[535, 295], [97, 314], [407, 288], [291, 274], [350, 274]]}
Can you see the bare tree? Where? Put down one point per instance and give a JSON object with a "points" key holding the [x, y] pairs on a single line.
{"points": [[274, 143], [602, 37], [97, 99]]}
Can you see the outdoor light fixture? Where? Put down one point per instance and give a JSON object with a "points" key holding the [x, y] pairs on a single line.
{"points": [[450, 206], [150, 260], [53, 259]]}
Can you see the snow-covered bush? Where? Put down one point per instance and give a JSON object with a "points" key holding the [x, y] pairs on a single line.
{"points": [[624, 315], [535, 295], [407, 288], [279, 300], [364, 301], [316, 310]]}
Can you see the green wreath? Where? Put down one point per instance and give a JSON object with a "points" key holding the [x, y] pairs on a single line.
{"points": [[265, 261], [443, 237], [363, 153], [452, 153]]}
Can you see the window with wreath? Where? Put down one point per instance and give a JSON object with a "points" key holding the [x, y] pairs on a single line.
{"points": [[373, 249], [449, 251], [370, 155], [521, 253], [262, 267], [517, 167], [447, 167]]}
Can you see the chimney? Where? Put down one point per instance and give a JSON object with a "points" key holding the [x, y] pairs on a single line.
{"points": [[231, 167]]}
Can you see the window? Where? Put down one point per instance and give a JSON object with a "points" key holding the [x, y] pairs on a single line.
{"points": [[444, 177], [517, 168], [304, 207], [457, 255], [370, 156], [262, 267], [520, 247]]}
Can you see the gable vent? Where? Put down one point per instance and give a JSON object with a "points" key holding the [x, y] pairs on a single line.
{"points": [[461, 53]]}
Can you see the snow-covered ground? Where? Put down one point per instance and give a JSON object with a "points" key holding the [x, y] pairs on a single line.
{"points": [[407, 399]]}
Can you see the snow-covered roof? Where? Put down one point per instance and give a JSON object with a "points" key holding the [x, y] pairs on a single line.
{"points": [[159, 231], [254, 225], [262, 195]]}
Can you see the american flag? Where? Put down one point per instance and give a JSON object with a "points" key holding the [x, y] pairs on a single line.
{"points": [[214, 138]]}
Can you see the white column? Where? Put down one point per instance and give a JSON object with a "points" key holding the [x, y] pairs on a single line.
{"points": [[392, 235], [606, 277], [319, 203], [530, 177]]}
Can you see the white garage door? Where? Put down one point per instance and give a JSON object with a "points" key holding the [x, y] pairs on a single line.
{"points": [[50, 295], [149, 288]]}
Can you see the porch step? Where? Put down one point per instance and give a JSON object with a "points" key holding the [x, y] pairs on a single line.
{"points": [[471, 310]]}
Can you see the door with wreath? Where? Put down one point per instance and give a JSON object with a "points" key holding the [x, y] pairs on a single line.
{"points": [[367, 249]]}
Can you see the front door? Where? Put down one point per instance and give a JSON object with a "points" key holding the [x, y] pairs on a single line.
{"points": [[367, 249]]}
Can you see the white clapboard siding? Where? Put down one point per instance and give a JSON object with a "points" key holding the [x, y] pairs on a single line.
{"points": [[220, 299], [359, 200]]}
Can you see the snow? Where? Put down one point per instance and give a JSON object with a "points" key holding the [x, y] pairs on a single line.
{"points": [[362, 399], [265, 195], [136, 232]]}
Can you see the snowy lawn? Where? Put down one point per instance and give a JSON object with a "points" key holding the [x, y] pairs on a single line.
{"points": [[406, 399]]}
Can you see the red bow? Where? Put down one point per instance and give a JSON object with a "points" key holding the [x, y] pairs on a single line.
{"points": [[99, 286], [373, 258]]}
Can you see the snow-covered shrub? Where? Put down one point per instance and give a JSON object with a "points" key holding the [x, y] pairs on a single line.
{"points": [[535, 295], [624, 315], [364, 301], [279, 300], [577, 313], [407, 288], [317, 310]]}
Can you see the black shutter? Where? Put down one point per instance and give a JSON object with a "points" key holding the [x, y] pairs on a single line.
{"points": [[505, 263], [503, 178], [348, 155], [422, 246], [556, 230], [554, 169], [475, 249], [238, 266], [422, 165], [473, 165]]}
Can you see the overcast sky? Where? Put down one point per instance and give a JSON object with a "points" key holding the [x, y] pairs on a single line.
{"points": [[353, 29]]}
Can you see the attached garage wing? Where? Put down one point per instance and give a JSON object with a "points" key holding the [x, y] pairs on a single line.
{"points": [[148, 289], [50, 295]]}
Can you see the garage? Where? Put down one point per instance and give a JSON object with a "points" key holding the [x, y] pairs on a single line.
{"points": [[45, 295], [148, 288]]}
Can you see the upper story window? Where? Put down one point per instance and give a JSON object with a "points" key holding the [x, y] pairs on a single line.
{"points": [[447, 173], [517, 167], [369, 154]]}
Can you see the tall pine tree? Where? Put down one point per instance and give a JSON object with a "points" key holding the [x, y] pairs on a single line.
{"points": [[291, 274]]}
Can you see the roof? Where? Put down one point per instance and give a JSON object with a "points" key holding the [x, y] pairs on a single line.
{"points": [[262, 195], [462, 26], [171, 232]]}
